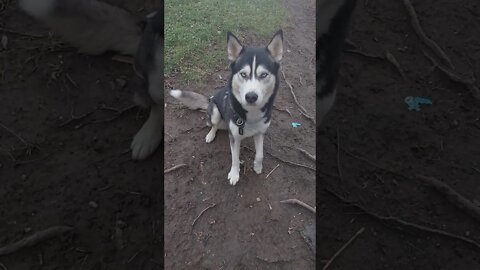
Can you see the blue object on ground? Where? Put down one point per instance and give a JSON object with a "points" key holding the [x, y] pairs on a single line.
{"points": [[295, 124], [415, 102]]}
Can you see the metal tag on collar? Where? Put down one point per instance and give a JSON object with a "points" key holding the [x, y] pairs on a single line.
{"points": [[239, 122]]}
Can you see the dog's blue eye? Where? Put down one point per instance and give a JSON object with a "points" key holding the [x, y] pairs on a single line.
{"points": [[263, 75], [243, 74]]}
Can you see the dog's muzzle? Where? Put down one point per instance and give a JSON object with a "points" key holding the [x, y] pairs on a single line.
{"points": [[251, 97]]}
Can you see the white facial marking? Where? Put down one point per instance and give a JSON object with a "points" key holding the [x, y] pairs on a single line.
{"points": [[252, 81], [254, 67]]}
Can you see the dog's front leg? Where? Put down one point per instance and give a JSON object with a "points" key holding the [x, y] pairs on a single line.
{"points": [[150, 135], [258, 162], [234, 174]]}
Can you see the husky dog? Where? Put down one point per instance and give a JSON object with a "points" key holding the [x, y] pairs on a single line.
{"points": [[94, 28], [244, 106], [333, 17]]}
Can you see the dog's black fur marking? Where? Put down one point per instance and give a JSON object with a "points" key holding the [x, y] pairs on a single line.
{"points": [[329, 48]]}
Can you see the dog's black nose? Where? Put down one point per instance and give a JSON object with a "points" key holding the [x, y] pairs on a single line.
{"points": [[251, 97]]}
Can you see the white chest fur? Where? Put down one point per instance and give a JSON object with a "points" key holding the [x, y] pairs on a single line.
{"points": [[250, 129]]}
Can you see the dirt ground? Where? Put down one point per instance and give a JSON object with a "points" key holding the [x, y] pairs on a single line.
{"points": [[247, 228], [81, 174], [374, 123]]}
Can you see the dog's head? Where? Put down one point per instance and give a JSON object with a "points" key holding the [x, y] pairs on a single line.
{"points": [[254, 70]]}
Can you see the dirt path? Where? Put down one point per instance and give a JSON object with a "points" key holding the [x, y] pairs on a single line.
{"points": [[247, 228], [374, 122]]}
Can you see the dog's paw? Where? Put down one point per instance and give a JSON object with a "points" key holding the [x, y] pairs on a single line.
{"points": [[257, 167], [145, 142], [210, 137], [233, 176]]}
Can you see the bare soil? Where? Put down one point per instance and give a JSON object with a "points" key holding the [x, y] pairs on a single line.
{"points": [[374, 123], [80, 174]]}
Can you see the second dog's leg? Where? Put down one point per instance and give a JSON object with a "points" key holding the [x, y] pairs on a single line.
{"points": [[234, 174], [258, 163], [150, 135]]}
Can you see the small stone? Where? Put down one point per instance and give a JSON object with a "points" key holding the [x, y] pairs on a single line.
{"points": [[467, 233], [27, 229], [259, 200], [93, 204]]}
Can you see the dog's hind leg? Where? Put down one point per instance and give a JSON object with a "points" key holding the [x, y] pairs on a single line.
{"points": [[215, 119], [258, 162], [150, 135], [234, 174]]}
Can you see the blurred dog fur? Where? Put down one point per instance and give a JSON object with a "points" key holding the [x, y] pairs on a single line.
{"points": [[96, 27]]}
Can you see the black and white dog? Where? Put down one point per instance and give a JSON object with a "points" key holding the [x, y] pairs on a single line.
{"points": [[96, 27], [244, 106]]}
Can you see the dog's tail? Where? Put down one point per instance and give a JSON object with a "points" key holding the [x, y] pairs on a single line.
{"points": [[190, 99], [93, 27]]}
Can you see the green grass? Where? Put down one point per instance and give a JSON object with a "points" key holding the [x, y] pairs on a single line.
{"points": [[196, 31]]}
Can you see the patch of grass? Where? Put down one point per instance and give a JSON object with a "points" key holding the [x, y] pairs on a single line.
{"points": [[196, 31]]}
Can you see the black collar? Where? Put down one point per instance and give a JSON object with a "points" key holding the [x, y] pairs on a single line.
{"points": [[239, 114]]}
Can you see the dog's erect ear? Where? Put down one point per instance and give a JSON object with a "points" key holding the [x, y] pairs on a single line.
{"points": [[275, 47], [234, 47]]}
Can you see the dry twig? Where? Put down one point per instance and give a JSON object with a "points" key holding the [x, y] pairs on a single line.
{"points": [[15, 134], [174, 168], [201, 213], [388, 57], [418, 29], [310, 156], [135, 255], [365, 54], [273, 261], [469, 83], [283, 110], [295, 201], [117, 115], [454, 197], [295, 98], [76, 118], [307, 116], [391, 58], [271, 171], [123, 59], [343, 248], [406, 224], [20, 33], [34, 239]]}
